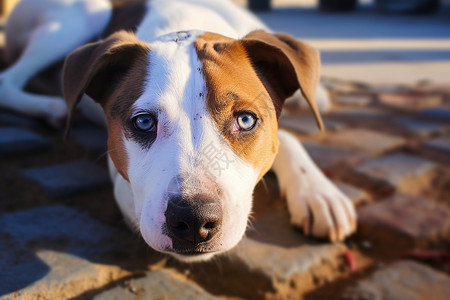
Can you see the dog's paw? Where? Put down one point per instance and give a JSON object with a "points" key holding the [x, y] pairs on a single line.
{"points": [[321, 209]]}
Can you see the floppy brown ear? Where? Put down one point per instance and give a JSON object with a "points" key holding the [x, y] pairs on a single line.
{"points": [[285, 64], [96, 68]]}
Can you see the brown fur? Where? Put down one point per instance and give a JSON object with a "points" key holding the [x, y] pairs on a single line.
{"points": [[255, 74], [234, 86]]}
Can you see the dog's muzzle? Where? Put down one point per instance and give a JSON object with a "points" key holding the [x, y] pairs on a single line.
{"points": [[192, 223]]}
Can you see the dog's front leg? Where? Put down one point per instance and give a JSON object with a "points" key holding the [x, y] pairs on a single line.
{"points": [[315, 203]]}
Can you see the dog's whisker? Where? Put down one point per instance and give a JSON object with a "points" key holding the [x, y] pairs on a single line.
{"points": [[264, 183], [105, 153]]}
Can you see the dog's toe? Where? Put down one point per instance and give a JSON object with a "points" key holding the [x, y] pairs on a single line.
{"points": [[327, 214]]}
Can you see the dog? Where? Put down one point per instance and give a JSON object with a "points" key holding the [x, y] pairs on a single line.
{"points": [[190, 92]]}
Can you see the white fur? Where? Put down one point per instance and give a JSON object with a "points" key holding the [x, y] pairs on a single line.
{"points": [[219, 16]]}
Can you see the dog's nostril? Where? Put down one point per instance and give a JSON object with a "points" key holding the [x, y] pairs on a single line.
{"points": [[181, 226], [210, 225]]}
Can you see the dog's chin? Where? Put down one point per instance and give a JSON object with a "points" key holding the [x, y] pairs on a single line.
{"points": [[192, 257]]}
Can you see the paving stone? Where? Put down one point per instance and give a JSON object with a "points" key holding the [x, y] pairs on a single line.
{"points": [[328, 156], [389, 88], [361, 113], [403, 280], [358, 196], [420, 128], [442, 112], [12, 119], [57, 252], [343, 86], [274, 254], [366, 140], [158, 284], [93, 139], [307, 124], [18, 141], [412, 100], [395, 170], [441, 144], [68, 179], [354, 99], [410, 221]]}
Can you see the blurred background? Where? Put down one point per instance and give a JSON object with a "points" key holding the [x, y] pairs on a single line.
{"points": [[396, 41]]}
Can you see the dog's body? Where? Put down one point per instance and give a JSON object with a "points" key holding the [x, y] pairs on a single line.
{"points": [[191, 102]]}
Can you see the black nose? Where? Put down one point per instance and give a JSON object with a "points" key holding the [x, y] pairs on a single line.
{"points": [[193, 221]]}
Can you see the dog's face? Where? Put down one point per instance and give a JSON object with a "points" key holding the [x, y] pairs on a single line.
{"points": [[192, 122]]}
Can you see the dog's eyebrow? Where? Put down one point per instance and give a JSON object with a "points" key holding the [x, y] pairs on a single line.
{"points": [[232, 96]]}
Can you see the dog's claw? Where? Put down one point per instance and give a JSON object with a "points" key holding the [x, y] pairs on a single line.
{"points": [[306, 226], [332, 234], [352, 222]]}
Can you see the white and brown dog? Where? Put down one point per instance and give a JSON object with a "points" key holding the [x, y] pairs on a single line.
{"points": [[191, 91]]}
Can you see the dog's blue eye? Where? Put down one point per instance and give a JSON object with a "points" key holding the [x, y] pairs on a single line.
{"points": [[144, 122], [246, 121]]}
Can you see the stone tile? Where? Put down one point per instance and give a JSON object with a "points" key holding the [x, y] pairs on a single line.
{"points": [[409, 221], [19, 141], [327, 156], [360, 113], [68, 179], [343, 86], [412, 100], [93, 139], [358, 196], [16, 120], [369, 141], [158, 284], [395, 170], [403, 280], [389, 88], [57, 252], [441, 144], [442, 112], [274, 254], [419, 128], [354, 99], [307, 124]]}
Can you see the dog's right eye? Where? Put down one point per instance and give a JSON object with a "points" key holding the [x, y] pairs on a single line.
{"points": [[144, 122]]}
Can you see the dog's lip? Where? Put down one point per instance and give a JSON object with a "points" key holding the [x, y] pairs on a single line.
{"points": [[191, 252], [191, 256], [194, 252]]}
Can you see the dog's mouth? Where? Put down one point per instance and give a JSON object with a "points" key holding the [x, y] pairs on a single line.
{"points": [[192, 255]]}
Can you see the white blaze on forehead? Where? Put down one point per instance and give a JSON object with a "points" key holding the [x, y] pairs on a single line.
{"points": [[187, 143]]}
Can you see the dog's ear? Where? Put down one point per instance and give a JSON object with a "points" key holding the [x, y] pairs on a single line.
{"points": [[285, 65], [96, 68]]}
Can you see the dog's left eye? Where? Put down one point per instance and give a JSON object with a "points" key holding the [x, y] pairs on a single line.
{"points": [[246, 121], [144, 122]]}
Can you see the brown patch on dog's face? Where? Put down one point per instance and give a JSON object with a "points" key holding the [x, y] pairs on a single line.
{"points": [[118, 111], [255, 75], [234, 87], [112, 72]]}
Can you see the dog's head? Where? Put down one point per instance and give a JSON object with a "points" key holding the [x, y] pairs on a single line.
{"points": [[192, 122]]}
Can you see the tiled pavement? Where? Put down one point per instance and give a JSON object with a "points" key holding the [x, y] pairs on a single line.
{"points": [[62, 237]]}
